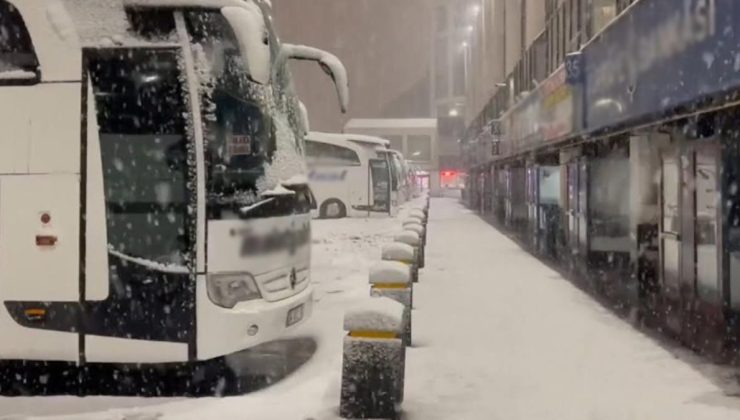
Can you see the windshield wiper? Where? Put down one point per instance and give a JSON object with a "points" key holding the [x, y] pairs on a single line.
{"points": [[244, 211]]}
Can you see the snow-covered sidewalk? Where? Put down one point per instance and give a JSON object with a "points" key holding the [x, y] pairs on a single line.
{"points": [[497, 335]]}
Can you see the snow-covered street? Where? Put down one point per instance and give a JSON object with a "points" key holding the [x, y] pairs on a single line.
{"points": [[497, 335]]}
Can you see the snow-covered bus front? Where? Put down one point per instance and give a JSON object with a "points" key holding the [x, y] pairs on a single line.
{"points": [[153, 199]]}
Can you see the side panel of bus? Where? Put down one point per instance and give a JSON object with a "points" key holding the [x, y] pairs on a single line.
{"points": [[39, 215]]}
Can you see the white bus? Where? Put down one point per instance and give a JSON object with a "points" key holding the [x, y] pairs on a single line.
{"points": [[154, 206], [394, 159], [346, 178]]}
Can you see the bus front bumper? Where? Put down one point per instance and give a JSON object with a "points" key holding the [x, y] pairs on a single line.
{"points": [[222, 331]]}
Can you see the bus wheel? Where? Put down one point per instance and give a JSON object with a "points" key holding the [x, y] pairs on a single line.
{"points": [[333, 209]]}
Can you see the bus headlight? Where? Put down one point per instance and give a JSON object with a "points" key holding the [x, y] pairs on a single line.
{"points": [[226, 290]]}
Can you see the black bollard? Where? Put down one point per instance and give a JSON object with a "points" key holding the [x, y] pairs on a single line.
{"points": [[374, 361], [392, 279]]}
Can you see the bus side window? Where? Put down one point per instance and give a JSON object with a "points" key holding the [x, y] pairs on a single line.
{"points": [[18, 61]]}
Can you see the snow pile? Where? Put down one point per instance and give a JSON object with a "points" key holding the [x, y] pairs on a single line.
{"points": [[411, 221], [414, 227], [98, 21], [153, 265], [397, 252], [249, 24], [247, 209], [515, 350], [299, 179], [287, 161], [61, 22], [16, 74], [390, 272], [375, 314], [417, 213], [407, 237], [279, 190]]}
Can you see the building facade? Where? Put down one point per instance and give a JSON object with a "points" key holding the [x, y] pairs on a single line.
{"points": [[610, 144]]}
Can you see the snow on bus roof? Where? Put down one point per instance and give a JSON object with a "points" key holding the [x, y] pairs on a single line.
{"points": [[391, 123], [184, 3], [355, 138], [104, 22]]}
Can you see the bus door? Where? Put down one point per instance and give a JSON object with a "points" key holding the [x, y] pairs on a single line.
{"points": [[139, 279], [379, 184]]}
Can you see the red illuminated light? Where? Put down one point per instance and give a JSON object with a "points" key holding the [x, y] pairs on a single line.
{"points": [[448, 173]]}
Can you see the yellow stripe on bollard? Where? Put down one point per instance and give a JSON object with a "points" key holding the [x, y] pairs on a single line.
{"points": [[390, 286], [386, 335]]}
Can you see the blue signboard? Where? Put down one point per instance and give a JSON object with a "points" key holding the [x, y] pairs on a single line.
{"points": [[661, 55]]}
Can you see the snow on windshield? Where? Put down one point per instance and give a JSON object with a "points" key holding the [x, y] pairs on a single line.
{"points": [[287, 161]]}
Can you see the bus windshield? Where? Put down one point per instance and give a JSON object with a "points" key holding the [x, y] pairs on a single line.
{"points": [[239, 133]]}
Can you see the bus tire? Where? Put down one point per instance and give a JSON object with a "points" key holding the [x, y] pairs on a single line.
{"points": [[333, 209]]}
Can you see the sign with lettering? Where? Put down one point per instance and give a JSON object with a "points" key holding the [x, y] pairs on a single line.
{"points": [[660, 56], [557, 111], [238, 145]]}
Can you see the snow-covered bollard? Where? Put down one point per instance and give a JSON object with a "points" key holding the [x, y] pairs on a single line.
{"points": [[412, 238], [414, 226], [402, 253], [418, 213], [418, 219], [374, 360], [392, 279]]}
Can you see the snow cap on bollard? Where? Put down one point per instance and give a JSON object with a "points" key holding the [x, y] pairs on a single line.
{"points": [[398, 252], [408, 237], [419, 219], [411, 221], [417, 212], [390, 273], [375, 316], [414, 227]]}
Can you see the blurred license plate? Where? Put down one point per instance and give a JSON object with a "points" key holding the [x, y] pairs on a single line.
{"points": [[295, 315]]}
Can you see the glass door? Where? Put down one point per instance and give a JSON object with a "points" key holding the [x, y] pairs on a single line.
{"points": [[582, 224], [707, 224], [572, 205], [670, 239]]}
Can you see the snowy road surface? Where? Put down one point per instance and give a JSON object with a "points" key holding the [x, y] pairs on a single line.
{"points": [[497, 335]]}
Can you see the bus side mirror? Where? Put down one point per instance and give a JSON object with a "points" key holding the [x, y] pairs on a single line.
{"points": [[329, 63], [253, 37]]}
